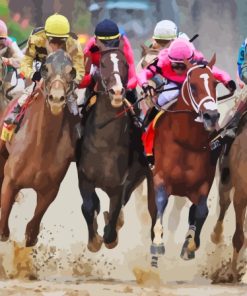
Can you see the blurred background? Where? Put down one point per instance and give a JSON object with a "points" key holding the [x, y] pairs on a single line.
{"points": [[221, 23]]}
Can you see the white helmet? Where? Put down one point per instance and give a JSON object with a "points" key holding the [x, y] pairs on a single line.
{"points": [[165, 30]]}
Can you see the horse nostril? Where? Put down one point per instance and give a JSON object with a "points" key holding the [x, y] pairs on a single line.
{"points": [[122, 91], [62, 99], [206, 116], [112, 91], [51, 97]]}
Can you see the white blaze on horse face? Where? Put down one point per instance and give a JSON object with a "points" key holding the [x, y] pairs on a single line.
{"points": [[209, 105], [206, 77], [115, 60]]}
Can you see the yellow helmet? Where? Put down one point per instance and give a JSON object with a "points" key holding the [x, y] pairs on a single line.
{"points": [[57, 25]]}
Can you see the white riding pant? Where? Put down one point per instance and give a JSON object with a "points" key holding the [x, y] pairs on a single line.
{"points": [[168, 95]]}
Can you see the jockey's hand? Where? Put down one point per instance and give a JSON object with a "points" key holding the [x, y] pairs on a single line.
{"points": [[5, 61], [231, 85], [148, 89], [36, 76]]}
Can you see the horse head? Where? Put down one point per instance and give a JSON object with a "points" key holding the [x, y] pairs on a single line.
{"points": [[114, 74], [200, 88], [58, 74]]}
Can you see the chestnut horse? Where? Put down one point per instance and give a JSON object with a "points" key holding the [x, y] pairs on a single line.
{"points": [[233, 167], [112, 155], [183, 163], [41, 151]]}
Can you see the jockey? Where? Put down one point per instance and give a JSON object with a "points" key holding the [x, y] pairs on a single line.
{"points": [[107, 32], [43, 41], [170, 64], [10, 53], [9, 50], [241, 53]]}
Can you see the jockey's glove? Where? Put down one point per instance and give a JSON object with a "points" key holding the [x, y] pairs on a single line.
{"points": [[231, 85], [148, 89], [36, 76]]}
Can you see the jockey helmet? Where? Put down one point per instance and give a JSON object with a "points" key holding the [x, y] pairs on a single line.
{"points": [[165, 30], [107, 30], [57, 25], [180, 49], [3, 30]]}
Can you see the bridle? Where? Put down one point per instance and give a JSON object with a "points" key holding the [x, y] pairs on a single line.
{"points": [[113, 73], [186, 83]]}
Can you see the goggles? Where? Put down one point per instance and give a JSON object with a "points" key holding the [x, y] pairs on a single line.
{"points": [[179, 66]]}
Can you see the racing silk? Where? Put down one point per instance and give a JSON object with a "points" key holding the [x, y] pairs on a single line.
{"points": [[240, 61], [12, 52], [92, 57], [163, 66], [38, 48]]}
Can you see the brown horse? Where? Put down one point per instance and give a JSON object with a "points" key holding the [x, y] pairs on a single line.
{"points": [[183, 163], [41, 151], [233, 166]]}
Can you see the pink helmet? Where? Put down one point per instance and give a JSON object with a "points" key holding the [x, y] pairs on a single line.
{"points": [[180, 49], [3, 30]]}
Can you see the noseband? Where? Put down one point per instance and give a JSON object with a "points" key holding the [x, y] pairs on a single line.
{"points": [[186, 83]]}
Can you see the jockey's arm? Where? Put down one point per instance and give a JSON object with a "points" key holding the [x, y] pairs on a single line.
{"points": [[26, 67], [16, 55], [147, 74], [77, 59], [221, 75]]}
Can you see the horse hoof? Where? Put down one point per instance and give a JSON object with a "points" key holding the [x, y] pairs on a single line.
{"points": [[31, 242], [95, 244], [112, 245], [4, 238], [188, 249], [157, 249], [216, 236]]}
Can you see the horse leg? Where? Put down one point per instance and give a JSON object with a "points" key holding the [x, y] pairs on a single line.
{"points": [[238, 239], [197, 216], [90, 210], [8, 194], [44, 199], [225, 201], [113, 219], [3, 158], [161, 200]]}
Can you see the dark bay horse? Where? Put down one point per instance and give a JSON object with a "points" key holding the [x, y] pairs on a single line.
{"points": [[183, 163], [111, 152], [236, 178], [41, 151]]}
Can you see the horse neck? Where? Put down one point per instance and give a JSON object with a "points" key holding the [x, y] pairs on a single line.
{"points": [[45, 128], [192, 132], [104, 112]]}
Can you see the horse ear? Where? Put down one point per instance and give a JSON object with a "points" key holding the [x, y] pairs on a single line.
{"points": [[212, 62], [100, 45], [188, 64], [144, 49]]}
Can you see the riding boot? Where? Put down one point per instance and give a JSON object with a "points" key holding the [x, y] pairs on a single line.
{"points": [[228, 133], [151, 113]]}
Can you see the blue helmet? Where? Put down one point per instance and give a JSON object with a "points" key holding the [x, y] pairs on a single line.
{"points": [[107, 30]]}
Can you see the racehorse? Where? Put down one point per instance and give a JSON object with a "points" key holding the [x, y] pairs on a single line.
{"points": [[41, 151], [183, 164], [233, 175], [111, 155]]}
